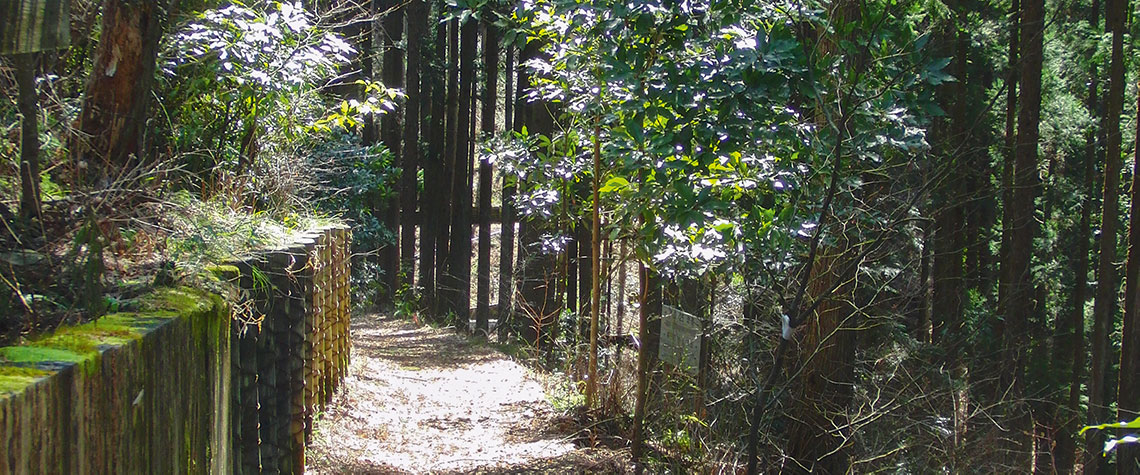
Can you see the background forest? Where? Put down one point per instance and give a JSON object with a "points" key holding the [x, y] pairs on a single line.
{"points": [[905, 226]]}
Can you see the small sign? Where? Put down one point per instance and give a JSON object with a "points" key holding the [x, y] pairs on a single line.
{"points": [[32, 26], [680, 339]]}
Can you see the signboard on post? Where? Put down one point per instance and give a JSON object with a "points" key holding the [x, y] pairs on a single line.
{"points": [[681, 334], [32, 26]]}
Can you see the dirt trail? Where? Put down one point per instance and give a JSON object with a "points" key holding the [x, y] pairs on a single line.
{"points": [[420, 400]]}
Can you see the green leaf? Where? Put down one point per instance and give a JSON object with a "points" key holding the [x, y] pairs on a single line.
{"points": [[616, 183], [1135, 424]]}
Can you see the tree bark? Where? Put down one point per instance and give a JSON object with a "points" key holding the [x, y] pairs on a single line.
{"points": [[1069, 344], [817, 436], [1008, 165], [1128, 391], [596, 272], [507, 214], [417, 29], [1019, 308], [109, 144], [459, 256], [1107, 289], [487, 123], [950, 241], [367, 69], [448, 199], [28, 104], [393, 75], [432, 203], [539, 277], [648, 333]]}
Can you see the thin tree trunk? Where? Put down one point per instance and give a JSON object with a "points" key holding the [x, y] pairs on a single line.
{"points": [[1020, 307], [585, 273], [487, 123], [28, 104], [433, 203], [1128, 391], [925, 324], [367, 70], [507, 207], [1107, 289], [417, 28], [448, 206], [643, 364], [459, 256], [595, 293], [1008, 164], [390, 134], [1069, 344], [571, 270]]}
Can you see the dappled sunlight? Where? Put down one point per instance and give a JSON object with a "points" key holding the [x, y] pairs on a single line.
{"points": [[420, 399]]}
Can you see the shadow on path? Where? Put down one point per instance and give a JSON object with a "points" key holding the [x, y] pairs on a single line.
{"points": [[424, 400]]}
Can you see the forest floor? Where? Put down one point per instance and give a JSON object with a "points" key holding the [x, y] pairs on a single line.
{"points": [[424, 400]]}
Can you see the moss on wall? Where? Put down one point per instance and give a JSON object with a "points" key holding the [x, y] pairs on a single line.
{"points": [[128, 393]]}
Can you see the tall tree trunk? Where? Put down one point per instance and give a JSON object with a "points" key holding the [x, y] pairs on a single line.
{"points": [[539, 270], [487, 123], [1019, 308], [28, 104], [1069, 344], [367, 68], [507, 206], [1107, 289], [819, 429], [950, 239], [459, 255], [432, 203], [448, 199], [417, 29], [1128, 391], [393, 75], [596, 272], [649, 334], [109, 143], [1008, 166]]}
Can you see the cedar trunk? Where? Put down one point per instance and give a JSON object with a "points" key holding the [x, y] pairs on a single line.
{"points": [[1069, 344], [109, 143], [487, 123], [447, 199], [417, 28], [28, 103], [507, 216], [393, 75], [458, 284], [430, 204], [1128, 392], [819, 429], [1019, 308], [1107, 289]]}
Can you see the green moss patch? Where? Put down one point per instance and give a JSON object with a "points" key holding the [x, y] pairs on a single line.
{"points": [[39, 354], [16, 378], [82, 344]]}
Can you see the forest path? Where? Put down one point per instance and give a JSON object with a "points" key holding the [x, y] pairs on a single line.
{"points": [[419, 400]]}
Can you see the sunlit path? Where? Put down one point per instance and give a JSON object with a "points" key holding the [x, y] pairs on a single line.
{"points": [[419, 400]]}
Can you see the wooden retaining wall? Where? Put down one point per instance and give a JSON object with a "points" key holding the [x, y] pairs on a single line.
{"points": [[290, 349], [186, 385], [143, 392]]}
